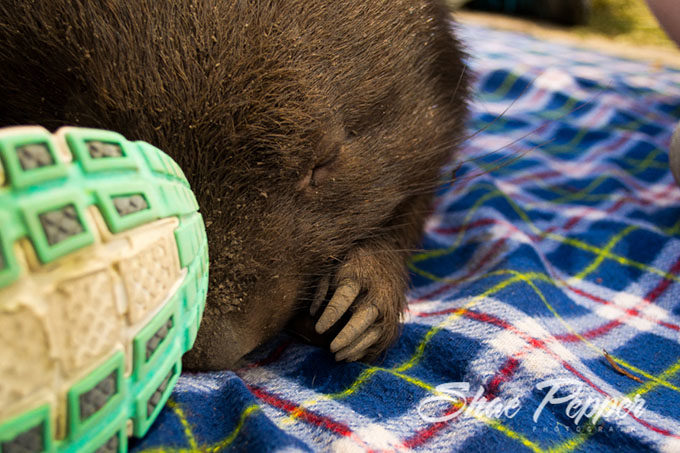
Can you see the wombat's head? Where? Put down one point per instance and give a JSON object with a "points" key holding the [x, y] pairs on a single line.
{"points": [[326, 129], [301, 125]]}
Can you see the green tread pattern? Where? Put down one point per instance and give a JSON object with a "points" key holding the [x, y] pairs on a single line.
{"points": [[44, 200]]}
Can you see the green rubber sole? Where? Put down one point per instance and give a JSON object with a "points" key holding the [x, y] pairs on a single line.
{"points": [[103, 279]]}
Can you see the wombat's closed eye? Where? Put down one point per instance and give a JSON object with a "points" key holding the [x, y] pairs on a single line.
{"points": [[311, 131], [323, 167]]}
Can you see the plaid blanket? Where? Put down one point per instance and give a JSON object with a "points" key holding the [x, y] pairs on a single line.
{"points": [[559, 240]]}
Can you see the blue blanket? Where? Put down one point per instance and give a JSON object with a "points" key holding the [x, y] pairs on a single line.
{"points": [[559, 240]]}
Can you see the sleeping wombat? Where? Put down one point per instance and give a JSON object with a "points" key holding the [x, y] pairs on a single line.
{"points": [[312, 132]]}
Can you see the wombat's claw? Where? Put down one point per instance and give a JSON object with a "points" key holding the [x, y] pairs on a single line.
{"points": [[361, 320], [320, 295], [366, 300], [357, 349], [357, 335], [347, 291]]}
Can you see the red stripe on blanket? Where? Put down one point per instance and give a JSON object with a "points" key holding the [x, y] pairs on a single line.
{"points": [[422, 436], [272, 357], [508, 371], [663, 285], [651, 297], [303, 414]]}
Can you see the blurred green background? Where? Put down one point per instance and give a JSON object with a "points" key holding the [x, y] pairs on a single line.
{"points": [[626, 21]]}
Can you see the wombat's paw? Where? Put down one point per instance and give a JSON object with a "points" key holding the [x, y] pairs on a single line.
{"points": [[369, 288]]}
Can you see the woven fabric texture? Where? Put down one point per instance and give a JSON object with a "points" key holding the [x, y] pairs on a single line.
{"points": [[559, 239]]}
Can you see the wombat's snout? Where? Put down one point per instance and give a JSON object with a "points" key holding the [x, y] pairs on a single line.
{"points": [[230, 330]]}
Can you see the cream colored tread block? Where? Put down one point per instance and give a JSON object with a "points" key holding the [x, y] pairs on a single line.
{"points": [[25, 362], [148, 276], [87, 305], [90, 280], [58, 322]]}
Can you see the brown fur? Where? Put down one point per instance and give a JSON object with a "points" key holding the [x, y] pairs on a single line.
{"points": [[311, 131]]}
